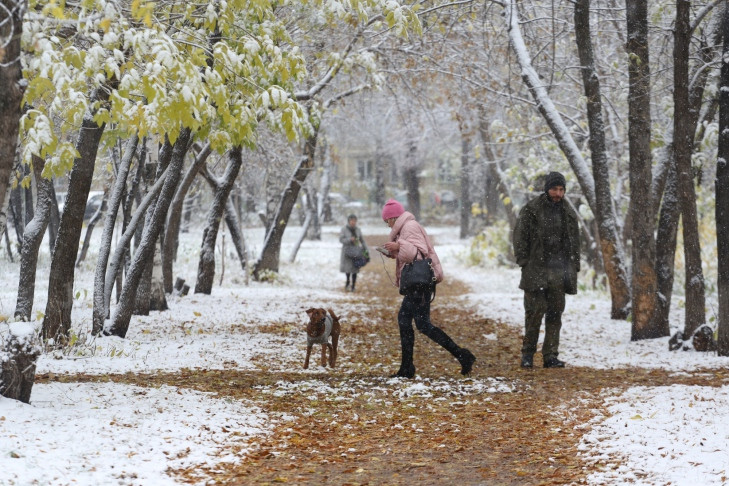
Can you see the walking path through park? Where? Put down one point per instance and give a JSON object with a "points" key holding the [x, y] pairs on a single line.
{"points": [[354, 425]]}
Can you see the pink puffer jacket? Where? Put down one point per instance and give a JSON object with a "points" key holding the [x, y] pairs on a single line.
{"points": [[414, 243]]}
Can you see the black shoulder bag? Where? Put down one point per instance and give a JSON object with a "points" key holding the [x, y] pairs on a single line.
{"points": [[417, 276]]}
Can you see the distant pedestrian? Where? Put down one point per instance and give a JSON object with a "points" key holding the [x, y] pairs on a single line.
{"points": [[547, 248], [407, 242], [354, 252]]}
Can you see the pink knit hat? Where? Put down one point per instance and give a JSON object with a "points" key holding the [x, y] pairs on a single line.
{"points": [[392, 209]]}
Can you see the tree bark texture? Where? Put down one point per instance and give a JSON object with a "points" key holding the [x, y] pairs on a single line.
{"points": [[412, 183], [17, 369], [93, 221], [57, 321], [33, 237], [639, 135], [666, 247], [494, 169], [54, 221], [144, 253], [117, 193], [12, 86], [157, 297], [122, 247], [465, 182], [684, 127], [722, 197], [174, 217], [206, 265], [143, 295], [270, 255], [611, 248]]}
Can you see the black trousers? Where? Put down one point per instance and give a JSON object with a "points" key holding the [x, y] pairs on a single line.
{"points": [[416, 307]]}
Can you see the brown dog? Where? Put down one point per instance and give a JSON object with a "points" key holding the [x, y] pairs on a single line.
{"points": [[322, 325]]}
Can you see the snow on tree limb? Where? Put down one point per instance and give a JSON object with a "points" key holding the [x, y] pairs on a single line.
{"points": [[546, 107]]}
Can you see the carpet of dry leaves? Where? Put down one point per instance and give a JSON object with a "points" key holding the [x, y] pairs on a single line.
{"points": [[460, 434]]}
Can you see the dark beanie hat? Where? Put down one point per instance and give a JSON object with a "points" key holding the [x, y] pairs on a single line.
{"points": [[554, 179]]}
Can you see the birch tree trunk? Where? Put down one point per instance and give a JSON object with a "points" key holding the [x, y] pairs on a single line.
{"points": [[611, 248], [206, 265], [123, 312], [33, 237], [684, 127], [172, 232], [270, 256], [57, 321], [721, 188], [100, 313]]}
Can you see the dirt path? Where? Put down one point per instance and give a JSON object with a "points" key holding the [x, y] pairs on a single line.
{"points": [[501, 426]]}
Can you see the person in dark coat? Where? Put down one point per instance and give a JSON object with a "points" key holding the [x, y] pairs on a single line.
{"points": [[547, 248], [352, 243]]}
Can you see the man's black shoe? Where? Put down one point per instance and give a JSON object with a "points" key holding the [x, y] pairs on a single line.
{"points": [[527, 361], [553, 363]]}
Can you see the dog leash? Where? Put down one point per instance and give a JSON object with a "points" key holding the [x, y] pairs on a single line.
{"points": [[385, 267]]}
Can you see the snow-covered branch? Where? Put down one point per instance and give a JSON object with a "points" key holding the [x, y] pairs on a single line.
{"points": [[545, 105]]}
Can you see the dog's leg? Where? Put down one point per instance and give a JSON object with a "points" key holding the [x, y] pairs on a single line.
{"points": [[308, 353], [324, 355], [333, 350]]}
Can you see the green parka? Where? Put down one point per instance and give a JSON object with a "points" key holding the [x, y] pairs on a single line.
{"points": [[529, 250]]}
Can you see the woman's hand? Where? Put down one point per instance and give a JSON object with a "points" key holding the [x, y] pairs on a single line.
{"points": [[353, 239], [392, 247]]}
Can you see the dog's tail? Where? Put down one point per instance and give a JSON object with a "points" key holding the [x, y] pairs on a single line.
{"points": [[334, 316]]}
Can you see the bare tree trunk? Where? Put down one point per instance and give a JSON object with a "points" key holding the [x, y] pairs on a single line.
{"points": [[666, 246], [33, 237], [17, 371], [12, 86], [172, 233], [99, 311], [157, 298], [16, 211], [57, 321], [684, 127], [465, 180], [310, 215], [206, 266], [610, 245], [123, 312], [54, 220], [494, 168], [142, 298], [231, 219], [412, 183], [721, 187], [644, 325], [122, 248], [90, 228], [270, 255]]}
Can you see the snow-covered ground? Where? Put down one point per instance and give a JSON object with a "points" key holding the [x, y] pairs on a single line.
{"points": [[120, 434]]}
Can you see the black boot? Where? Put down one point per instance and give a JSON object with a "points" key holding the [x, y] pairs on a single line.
{"points": [[405, 372], [466, 358], [407, 343], [527, 361], [553, 362]]}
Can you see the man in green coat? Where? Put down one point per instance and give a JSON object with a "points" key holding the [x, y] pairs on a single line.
{"points": [[547, 248]]}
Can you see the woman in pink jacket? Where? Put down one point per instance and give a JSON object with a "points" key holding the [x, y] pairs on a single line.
{"points": [[408, 242]]}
